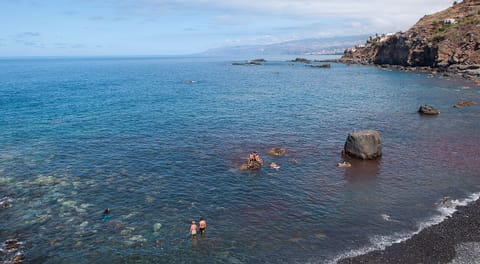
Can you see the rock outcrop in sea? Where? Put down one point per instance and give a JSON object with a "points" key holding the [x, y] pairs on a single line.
{"points": [[464, 104], [428, 110], [365, 145], [445, 41], [254, 162]]}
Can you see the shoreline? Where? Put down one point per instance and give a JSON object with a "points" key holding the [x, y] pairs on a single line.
{"points": [[454, 240]]}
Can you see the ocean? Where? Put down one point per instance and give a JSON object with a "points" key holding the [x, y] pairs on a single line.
{"points": [[160, 142]]}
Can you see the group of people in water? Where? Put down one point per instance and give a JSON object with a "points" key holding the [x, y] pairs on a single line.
{"points": [[202, 228], [254, 158], [255, 162], [194, 229]]}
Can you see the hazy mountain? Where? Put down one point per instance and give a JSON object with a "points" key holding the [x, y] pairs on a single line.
{"points": [[330, 45]]}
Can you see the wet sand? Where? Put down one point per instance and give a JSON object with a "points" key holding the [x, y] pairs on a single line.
{"points": [[455, 240]]}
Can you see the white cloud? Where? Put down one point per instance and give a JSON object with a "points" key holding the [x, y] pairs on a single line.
{"points": [[191, 25], [309, 8], [375, 15]]}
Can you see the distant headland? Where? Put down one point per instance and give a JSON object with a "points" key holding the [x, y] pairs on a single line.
{"points": [[447, 41]]}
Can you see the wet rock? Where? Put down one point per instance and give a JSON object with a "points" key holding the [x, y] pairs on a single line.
{"points": [[257, 61], [326, 65], [277, 151], [363, 145], [464, 104], [447, 202], [302, 60], [250, 62], [253, 165], [428, 110]]}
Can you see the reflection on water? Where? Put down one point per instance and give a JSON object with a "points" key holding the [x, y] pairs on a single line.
{"points": [[362, 170]]}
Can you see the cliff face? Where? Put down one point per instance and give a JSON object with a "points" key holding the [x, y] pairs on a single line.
{"points": [[450, 37]]}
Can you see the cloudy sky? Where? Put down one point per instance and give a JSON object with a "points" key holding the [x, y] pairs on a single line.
{"points": [[167, 27]]}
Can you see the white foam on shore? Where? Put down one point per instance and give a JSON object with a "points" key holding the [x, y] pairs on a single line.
{"points": [[446, 208]]}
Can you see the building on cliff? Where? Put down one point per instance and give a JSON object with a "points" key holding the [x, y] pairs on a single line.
{"points": [[449, 21], [442, 40]]}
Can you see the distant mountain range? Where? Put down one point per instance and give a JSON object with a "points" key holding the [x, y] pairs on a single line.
{"points": [[313, 46]]}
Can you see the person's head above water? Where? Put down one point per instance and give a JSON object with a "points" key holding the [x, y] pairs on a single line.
{"points": [[107, 211]]}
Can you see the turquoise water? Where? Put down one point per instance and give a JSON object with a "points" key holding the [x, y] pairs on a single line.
{"points": [[160, 142]]}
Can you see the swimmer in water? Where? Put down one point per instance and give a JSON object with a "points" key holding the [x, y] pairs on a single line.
{"points": [[274, 165], [106, 214], [193, 230], [202, 226]]}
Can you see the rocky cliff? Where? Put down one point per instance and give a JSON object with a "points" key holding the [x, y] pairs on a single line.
{"points": [[447, 40]]}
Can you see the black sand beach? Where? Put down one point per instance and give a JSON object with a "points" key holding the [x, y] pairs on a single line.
{"points": [[455, 240]]}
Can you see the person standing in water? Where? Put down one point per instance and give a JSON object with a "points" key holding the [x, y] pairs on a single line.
{"points": [[106, 214], [193, 229], [202, 226]]}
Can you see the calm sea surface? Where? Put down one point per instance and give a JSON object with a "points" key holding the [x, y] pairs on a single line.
{"points": [[160, 142]]}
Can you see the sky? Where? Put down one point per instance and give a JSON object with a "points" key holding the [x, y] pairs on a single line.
{"points": [[166, 27]]}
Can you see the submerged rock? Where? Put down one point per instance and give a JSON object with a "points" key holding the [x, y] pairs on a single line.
{"points": [[363, 145], [464, 104], [277, 151], [428, 110]]}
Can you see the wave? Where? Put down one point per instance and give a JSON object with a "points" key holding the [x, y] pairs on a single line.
{"points": [[446, 208]]}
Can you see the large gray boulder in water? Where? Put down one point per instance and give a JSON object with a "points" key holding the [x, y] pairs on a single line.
{"points": [[363, 145]]}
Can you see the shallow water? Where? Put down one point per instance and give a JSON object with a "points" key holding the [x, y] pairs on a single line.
{"points": [[160, 141]]}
